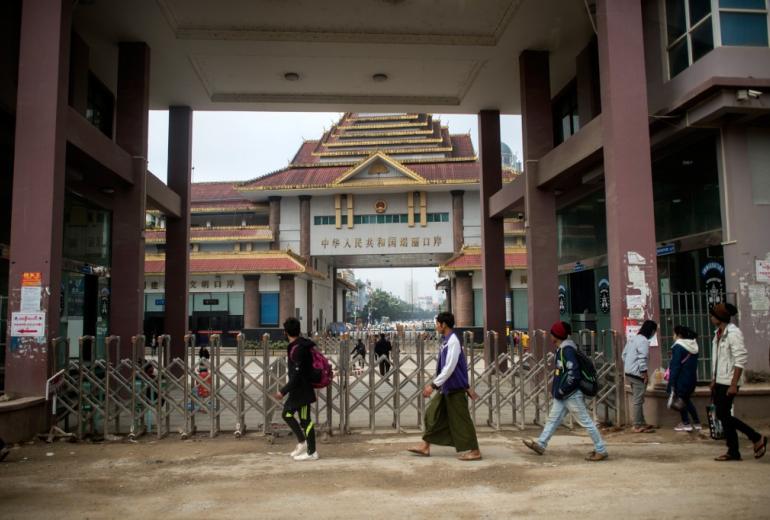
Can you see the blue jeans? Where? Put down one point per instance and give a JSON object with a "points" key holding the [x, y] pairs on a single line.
{"points": [[574, 404]]}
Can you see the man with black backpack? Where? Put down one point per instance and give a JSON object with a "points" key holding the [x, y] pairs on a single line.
{"points": [[300, 391], [567, 394]]}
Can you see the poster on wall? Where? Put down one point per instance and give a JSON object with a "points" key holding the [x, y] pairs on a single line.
{"points": [[713, 274]]}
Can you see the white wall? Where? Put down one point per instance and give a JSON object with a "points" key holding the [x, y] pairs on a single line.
{"points": [[269, 283], [435, 237], [300, 300], [471, 218], [289, 229]]}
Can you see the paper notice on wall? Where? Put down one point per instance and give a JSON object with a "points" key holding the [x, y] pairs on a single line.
{"points": [[763, 271], [30, 299], [758, 298], [636, 277], [634, 300], [28, 324], [635, 258], [636, 313]]}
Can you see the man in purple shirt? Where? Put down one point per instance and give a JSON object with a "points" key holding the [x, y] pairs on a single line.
{"points": [[447, 419]]}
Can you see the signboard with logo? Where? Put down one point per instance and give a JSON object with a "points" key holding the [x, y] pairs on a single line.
{"points": [[713, 274], [562, 300], [604, 296]]}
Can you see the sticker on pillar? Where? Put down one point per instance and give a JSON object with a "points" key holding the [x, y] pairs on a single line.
{"points": [[28, 324], [714, 276], [30, 298], [562, 300], [763, 271], [31, 279], [604, 296], [635, 258]]}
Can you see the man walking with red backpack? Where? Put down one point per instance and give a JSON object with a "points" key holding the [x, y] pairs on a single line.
{"points": [[300, 391]]}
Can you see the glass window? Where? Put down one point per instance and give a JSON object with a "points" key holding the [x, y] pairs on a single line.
{"points": [[749, 29], [699, 9], [317, 221], [236, 303], [380, 219], [344, 220], [675, 18], [742, 4], [445, 217], [702, 41]]}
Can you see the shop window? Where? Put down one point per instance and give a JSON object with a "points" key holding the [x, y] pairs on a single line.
{"points": [[692, 30]]}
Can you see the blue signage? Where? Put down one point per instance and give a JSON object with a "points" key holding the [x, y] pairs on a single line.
{"points": [[667, 250], [579, 267], [160, 301]]}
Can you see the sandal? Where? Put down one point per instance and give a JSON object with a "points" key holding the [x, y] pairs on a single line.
{"points": [[726, 457], [469, 456], [534, 446], [418, 451], [760, 452]]}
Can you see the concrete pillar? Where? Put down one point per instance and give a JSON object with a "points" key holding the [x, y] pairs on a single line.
{"points": [[287, 288], [458, 212], [128, 220], [464, 302], [631, 247], [453, 295], [540, 205], [492, 239], [745, 156], [178, 229], [38, 184], [275, 221], [304, 227], [310, 312], [251, 302]]}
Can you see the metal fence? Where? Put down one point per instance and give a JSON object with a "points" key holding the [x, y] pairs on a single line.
{"points": [[690, 309], [233, 390]]}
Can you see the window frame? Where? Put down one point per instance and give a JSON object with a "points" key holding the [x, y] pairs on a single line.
{"points": [[715, 18]]}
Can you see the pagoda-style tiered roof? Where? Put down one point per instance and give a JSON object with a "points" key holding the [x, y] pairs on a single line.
{"points": [[275, 262], [469, 259], [413, 144], [217, 234], [221, 197]]}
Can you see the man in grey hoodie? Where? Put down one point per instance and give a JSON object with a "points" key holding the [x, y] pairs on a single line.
{"points": [[635, 356]]}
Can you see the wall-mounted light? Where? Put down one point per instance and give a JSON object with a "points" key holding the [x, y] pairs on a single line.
{"points": [[291, 76]]}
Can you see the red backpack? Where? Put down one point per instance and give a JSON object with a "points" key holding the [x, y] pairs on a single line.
{"points": [[322, 369]]}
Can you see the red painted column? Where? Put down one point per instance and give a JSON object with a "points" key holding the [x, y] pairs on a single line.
{"points": [[128, 219], [540, 205], [180, 121], [304, 227], [251, 302], [458, 212], [631, 248], [464, 299], [38, 183], [492, 240], [310, 312]]}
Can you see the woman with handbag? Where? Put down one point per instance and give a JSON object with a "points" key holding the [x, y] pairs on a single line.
{"points": [[729, 357], [682, 375]]}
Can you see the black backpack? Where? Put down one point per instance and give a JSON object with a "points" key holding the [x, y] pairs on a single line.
{"points": [[589, 382]]}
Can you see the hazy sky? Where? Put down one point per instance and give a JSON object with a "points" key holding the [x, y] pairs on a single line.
{"points": [[234, 146]]}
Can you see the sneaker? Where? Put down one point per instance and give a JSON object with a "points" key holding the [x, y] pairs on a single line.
{"points": [[301, 448], [307, 456], [697, 427], [682, 427]]}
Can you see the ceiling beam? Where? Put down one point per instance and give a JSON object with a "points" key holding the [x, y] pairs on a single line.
{"points": [[162, 198]]}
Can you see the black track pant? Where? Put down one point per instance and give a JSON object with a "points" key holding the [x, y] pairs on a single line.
{"points": [[732, 425], [304, 430]]}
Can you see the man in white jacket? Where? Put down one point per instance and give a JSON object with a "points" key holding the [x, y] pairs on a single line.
{"points": [[728, 359]]}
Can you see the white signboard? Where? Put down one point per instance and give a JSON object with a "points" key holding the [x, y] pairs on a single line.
{"points": [[30, 299], [763, 270], [28, 324]]}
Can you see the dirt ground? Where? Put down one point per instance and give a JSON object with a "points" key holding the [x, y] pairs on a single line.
{"points": [[660, 475]]}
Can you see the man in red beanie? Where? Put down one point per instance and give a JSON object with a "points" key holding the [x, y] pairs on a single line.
{"points": [[567, 398]]}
